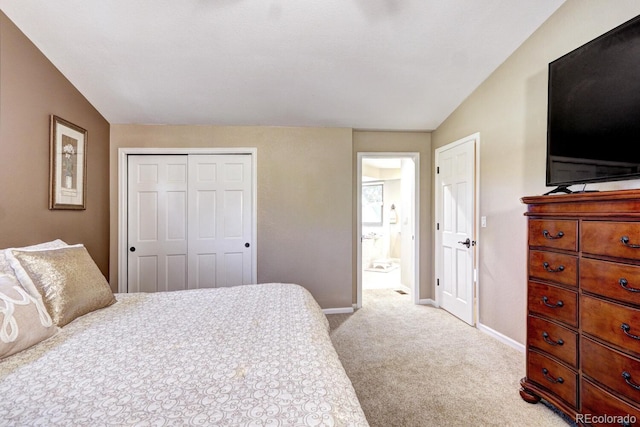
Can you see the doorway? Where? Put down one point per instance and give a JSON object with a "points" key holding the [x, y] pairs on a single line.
{"points": [[388, 223]]}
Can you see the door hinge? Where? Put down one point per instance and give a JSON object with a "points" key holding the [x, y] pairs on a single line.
{"points": [[437, 169], [437, 226], [437, 282]]}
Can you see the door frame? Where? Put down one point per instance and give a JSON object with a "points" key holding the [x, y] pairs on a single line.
{"points": [[476, 224], [123, 155], [415, 156]]}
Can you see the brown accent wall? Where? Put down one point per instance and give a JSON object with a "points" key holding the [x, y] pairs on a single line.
{"points": [[31, 89], [304, 199]]}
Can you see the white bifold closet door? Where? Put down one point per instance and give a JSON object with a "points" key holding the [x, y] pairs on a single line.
{"points": [[189, 221]]}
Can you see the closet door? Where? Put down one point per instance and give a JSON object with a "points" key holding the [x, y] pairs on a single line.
{"points": [[189, 221], [220, 222], [157, 223]]}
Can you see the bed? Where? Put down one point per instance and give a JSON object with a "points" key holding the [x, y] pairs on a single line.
{"points": [[253, 355]]}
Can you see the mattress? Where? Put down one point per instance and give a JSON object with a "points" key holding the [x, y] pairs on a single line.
{"points": [[255, 355]]}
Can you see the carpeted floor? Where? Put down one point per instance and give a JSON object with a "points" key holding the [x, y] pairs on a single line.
{"points": [[419, 366]]}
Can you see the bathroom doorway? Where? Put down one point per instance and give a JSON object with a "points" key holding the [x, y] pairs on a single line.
{"points": [[387, 210]]}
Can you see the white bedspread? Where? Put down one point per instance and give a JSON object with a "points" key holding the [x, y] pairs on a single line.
{"points": [[256, 355]]}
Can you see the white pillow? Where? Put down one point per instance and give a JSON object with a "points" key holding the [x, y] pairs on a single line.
{"points": [[4, 263]]}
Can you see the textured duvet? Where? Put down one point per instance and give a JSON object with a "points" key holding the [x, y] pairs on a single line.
{"points": [[256, 355]]}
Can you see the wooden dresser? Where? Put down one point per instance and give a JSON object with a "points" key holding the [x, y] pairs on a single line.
{"points": [[583, 310]]}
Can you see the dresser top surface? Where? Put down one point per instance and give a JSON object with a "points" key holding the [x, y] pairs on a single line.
{"points": [[602, 203]]}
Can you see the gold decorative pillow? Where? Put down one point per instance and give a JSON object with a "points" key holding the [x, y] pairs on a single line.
{"points": [[68, 280], [24, 320]]}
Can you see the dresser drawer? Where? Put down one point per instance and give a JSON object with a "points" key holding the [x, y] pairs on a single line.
{"points": [[557, 234], [611, 322], [615, 239], [554, 267], [552, 338], [597, 403], [553, 376], [619, 372], [612, 280], [553, 302]]}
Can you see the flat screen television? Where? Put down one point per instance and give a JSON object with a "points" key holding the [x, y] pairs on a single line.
{"points": [[593, 117]]}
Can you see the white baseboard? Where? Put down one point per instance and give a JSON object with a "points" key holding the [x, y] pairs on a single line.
{"points": [[429, 301], [501, 337], [344, 310]]}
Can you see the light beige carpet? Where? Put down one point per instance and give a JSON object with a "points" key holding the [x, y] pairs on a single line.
{"points": [[419, 366]]}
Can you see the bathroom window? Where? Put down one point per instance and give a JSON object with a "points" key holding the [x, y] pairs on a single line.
{"points": [[372, 203]]}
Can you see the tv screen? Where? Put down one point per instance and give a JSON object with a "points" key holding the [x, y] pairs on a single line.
{"points": [[593, 131]]}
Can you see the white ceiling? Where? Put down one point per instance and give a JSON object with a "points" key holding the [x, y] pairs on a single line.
{"points": [[383, 162], [364, 64]]}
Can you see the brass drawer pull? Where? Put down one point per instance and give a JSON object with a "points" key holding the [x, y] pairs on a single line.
{"points": [[549, 378], [547, 267], [624, 283], [548, 235], [546, 338], [627, 378], [626, 328], [545, 301], [625, 241]]}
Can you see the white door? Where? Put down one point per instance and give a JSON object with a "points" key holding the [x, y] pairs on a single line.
{"points": [[455, 181], [220, 220], [407, 226], [189, 221], [157, 221]]}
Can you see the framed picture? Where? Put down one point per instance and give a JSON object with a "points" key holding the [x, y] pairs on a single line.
{"points": [[68, 165]]}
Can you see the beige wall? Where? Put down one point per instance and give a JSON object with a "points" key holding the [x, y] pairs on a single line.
{"points": [[31, 89], [412, 142], [509, 110], [304, 199]]}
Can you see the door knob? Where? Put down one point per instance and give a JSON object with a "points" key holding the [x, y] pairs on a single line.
{"points": [[132, 249], [246, 245], [467, 243]]}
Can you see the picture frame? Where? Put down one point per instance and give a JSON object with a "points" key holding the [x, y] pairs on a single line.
{"points": [[68, 165]]}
